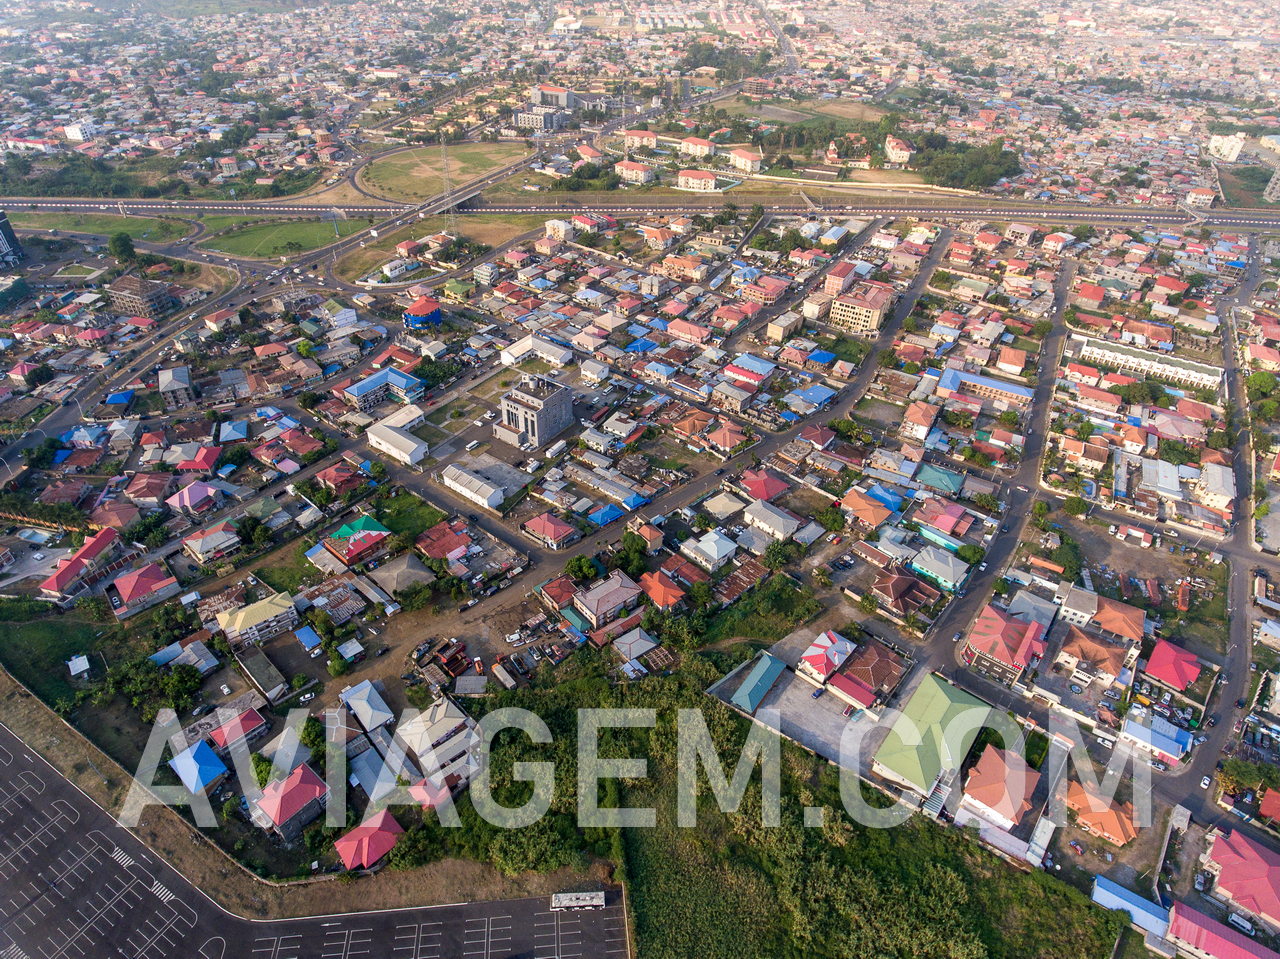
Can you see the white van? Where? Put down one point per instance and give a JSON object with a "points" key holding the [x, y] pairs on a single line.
{"points": [[1241, 923], [472, 445]]}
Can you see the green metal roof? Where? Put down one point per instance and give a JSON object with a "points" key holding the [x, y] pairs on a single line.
{"points": [[933, 733], [758, 682]]}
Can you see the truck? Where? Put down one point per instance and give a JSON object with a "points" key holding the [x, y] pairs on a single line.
{"points": [[556, 449], [500, 673]]}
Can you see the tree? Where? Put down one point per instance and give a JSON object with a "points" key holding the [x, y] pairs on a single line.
{"points": [[1260, 385], [580, 567], [1039, 509], [1008, 419], [337, 665], [1041, 328], [830, 518], [987, 501], [700, 595], [867, 603], [971, 553], [776, 555], [1075, 506], [261, 769], [120, 247], [312, 735]]}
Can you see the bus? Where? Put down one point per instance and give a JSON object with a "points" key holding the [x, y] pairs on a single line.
{"points": [[577, 900]]}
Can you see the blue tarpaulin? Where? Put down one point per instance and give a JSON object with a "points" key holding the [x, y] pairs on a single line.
{"points": [[641, 345], [122, 398], [308, 637]]}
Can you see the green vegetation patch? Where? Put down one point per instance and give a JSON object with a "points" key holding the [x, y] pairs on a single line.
{"points": [[283, 238], [139, 227]]}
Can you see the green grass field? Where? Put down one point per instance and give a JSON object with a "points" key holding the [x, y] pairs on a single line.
{"points": [[277, 239], [408, 514], [35, 652], [417, 174], [102, 224]]}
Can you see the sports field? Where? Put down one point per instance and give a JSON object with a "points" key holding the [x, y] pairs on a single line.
{"points": [[798, 111], [281, 239], [418, 174]]}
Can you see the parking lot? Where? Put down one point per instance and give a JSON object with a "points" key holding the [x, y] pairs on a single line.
{"points": [[76, 885]]}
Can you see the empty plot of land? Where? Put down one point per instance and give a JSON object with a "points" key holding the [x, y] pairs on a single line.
{"points": [[139, 227], [276, 238], [492, 229], [418, 174], [798, 111]]}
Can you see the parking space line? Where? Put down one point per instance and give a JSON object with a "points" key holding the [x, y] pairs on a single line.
{"points": [[6, 757], [343, 944], [277, 947], [421, 941], [26, 785], [29, 836]]}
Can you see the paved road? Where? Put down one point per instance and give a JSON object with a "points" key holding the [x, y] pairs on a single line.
{"points": [[75, 884]]}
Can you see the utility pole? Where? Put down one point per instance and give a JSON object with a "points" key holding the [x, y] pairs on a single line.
{"points": [[447, 179]]}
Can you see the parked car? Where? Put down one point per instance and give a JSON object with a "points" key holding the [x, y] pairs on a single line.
{"points": [[1204, 783], [225, 689], [382, 650], [306, 697], [317, 652], [819, 691]]}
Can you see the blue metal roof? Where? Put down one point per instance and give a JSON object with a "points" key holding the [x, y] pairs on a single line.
{"points": [[198, 767], [759, 681], [308, 637], [1143, 913]]}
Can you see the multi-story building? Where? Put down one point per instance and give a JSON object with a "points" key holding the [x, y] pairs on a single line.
{"points": [[389, 382], [134, 296], [747, 161], [259, 621], [637, 139], [633, 172], [174, 386], [534, 412], [11, 250], [548, 95], [540, 118], [1132, 359], [863, 310], [702, 181], [697, 147]]}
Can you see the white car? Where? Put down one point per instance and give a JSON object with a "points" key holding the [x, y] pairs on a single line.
{"points": [[38, 556], [1204, 783], [225, 689], [306, 698]]}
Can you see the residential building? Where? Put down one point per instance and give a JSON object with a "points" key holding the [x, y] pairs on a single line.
{"points": [[366, 844], [259, 621], [199, 768], [931, 736], [212, 543], [262, 672], [174, 387], [1003, 646], [603, 602], [824, 657], [697, 147], [1109, 820], [356, 541], [139, 589], [551, 531], [634, 172], [700, 181], [711, 550], [999, 787], [387, 383], [1196, 935], [534, 412], [1247, 875], [288, 805], [861, 311], [746, 161]]}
